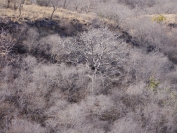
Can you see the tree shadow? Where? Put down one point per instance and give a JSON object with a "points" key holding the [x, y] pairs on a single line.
{"points": [[47, 26]]}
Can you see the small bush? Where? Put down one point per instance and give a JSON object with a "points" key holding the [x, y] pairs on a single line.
{"points": [[159, 19], [153, 83]]}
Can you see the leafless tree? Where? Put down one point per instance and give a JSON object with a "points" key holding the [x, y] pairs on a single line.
{"points": [[102, 52], [55, 5]]}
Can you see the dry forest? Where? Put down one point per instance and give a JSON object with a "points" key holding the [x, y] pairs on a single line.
{"points": [[88, 66]]}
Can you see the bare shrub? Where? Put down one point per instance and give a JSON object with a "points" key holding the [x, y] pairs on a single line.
{"points": [[24, 126], [29, 62], [33, 36], [150, 36], [7, 112], [151, 65], [45, 77], [7, 46], [80, 117], [126, 125], [136, 89], [69, 80], [113, 11], [73, 82], [153, 116], [153, 37], [51, 47]]}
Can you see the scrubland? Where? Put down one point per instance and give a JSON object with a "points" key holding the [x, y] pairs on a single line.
{"points": [[98, 66]]}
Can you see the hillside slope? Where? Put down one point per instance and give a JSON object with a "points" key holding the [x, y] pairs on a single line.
{"points": [[86, 73]]}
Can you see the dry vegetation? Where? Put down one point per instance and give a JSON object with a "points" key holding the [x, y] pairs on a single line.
{"points": [[97, 66]]}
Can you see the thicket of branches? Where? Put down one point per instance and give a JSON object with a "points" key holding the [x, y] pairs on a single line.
{"points": [[92, 82], [97, 81]]}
